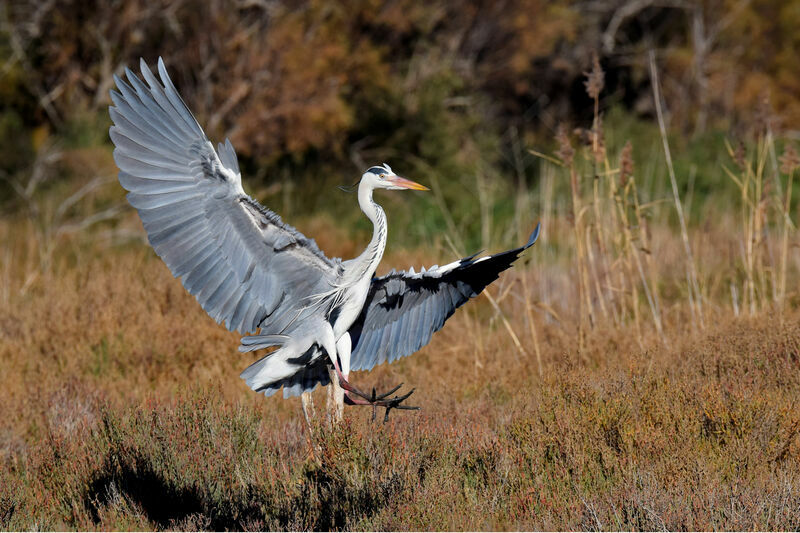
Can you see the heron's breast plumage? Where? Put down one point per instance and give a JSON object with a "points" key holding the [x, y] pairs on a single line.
{"points": [[353, 302]]}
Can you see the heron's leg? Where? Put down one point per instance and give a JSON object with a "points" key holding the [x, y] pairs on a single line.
{"points": [[308, 406], [354, 396], [336, 392], [308, 413]]}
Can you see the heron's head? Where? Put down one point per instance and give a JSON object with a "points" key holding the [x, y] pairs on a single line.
{"points": [[383, 177]]}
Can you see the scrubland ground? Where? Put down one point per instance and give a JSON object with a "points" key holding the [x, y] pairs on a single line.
{"points": [[121, 407], [635, 370]]}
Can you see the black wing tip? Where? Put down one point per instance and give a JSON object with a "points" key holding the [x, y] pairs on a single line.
{"points": [[534, 236], [469, 258]]}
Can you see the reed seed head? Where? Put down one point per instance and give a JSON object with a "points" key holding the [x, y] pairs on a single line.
{"points": [[789, 159], [595, 79], [625, 164], [565, 150]]}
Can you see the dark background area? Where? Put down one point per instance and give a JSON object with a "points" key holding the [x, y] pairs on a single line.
{"points": [[305, 87]]}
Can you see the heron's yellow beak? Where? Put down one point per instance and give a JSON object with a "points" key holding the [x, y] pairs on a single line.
{"points": [[406, 184]]}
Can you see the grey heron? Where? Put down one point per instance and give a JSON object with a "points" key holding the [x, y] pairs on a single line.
{"points": [[261, 277]]}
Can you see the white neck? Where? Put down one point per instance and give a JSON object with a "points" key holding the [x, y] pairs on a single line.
{"points": [[367, 262]]}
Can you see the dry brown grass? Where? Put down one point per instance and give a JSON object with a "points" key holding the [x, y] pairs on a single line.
{"points": [[121, 408], [660, 391]]}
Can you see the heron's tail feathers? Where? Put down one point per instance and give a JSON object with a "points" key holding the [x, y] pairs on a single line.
{"points": [[281, 367], [257, 342], [274, 372]]}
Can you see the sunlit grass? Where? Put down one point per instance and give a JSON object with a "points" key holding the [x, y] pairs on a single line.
{"points": [[121, 406]]}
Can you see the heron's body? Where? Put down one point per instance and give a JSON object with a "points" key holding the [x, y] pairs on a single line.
{"points": [[308, 338], [254, 273]]}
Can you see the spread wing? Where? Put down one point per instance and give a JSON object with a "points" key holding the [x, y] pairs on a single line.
{"points": [[404, 309], [241, 262]]}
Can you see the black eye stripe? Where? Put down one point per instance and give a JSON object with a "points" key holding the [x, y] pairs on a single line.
{"points": [[377, 170]]}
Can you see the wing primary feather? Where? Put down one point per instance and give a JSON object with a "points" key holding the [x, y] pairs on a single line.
{"points": [[394, 342], [229, 305], [126, 110], [150, 186], [239, 312], [160, 96], [162, 215], [130, 130], [419, 317], [215, 281], [194, 257], [255, 316], [161, 114], [177, 229], [176, 100], [155, 118], [370, 349], [128, 145], [196, 280], [220, 295], [155, 205], [385, 346], [162, 171], [234, 161], [406, 334], [391, 342], [166, 230]]}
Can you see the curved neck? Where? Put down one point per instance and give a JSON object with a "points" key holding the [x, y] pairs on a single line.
{"points": [[368, 260]]}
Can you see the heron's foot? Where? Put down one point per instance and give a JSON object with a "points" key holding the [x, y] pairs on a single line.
{"points": [[356, 397]]}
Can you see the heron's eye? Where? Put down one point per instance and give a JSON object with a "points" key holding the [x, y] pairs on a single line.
{"points": [[383, 176]]}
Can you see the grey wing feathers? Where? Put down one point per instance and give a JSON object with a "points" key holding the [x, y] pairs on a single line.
{"points": [[238, 259], [404, 309]]}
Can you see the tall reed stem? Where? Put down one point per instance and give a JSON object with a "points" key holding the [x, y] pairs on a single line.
{"points": [[694, 289]]}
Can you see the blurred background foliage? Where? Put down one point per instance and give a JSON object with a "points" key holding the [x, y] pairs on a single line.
{"points": [[312, 92]]}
